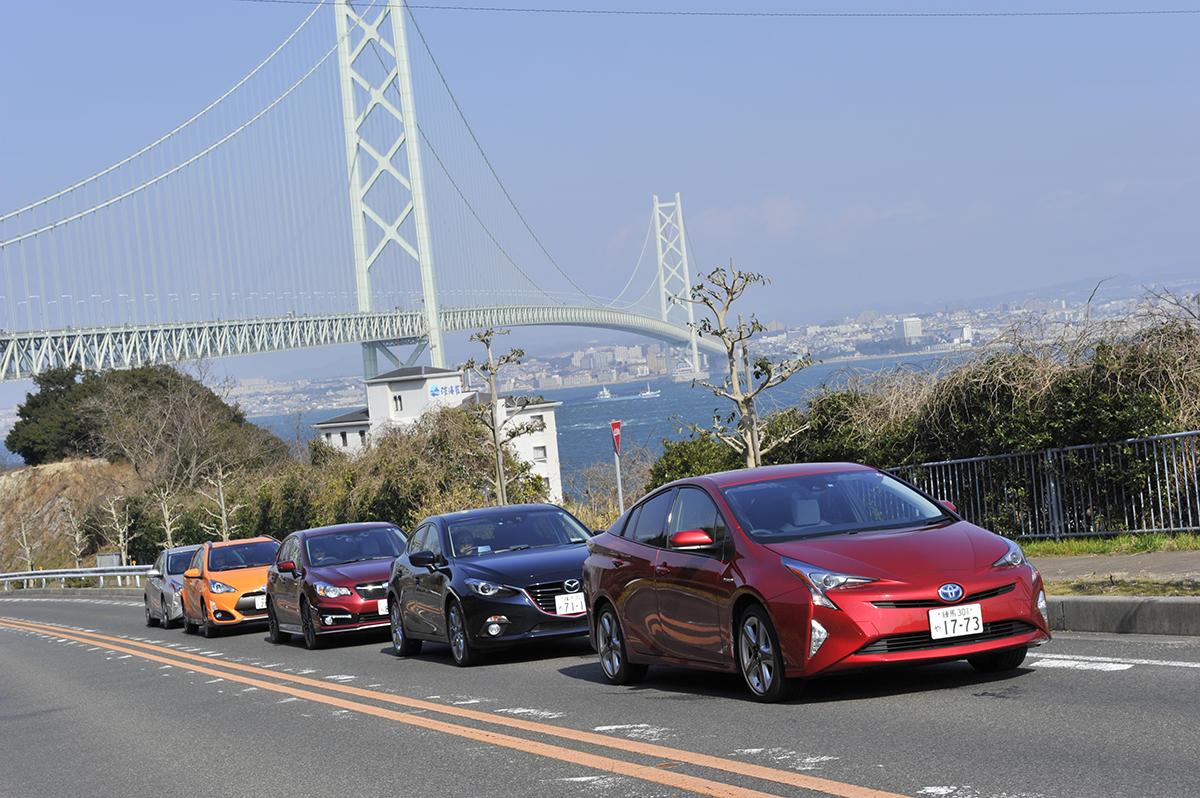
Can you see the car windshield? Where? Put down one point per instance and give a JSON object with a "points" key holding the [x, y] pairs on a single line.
{"points": [[242, 555], [840, 502], [496, 532], [178, 563], [339, 548]]}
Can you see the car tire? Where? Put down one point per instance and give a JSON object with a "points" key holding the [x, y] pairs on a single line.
{"points": [[402, 644], [164, 616], [998, 662], [312, 640], [462, 651], [189, 628], [274, 633], [610, 644], [207, 628], [759, 657], [150, 619]]}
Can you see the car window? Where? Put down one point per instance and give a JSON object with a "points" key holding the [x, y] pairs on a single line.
{"points": [[177, 563], [629, 522], [288, 550], [492, 532], [652, 520], [418, 539], [197, 558], [433, 541], [695, 510], [357, 545], [242, 555]]}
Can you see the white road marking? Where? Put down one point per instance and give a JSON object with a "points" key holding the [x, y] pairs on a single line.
{"points": [[525, 712], [792, 759], [341, 677], [637, 731], [1080, 665], [1122, 660]]}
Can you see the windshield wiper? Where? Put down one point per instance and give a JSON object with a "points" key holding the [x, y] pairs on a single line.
{"points": [[518, 547]]}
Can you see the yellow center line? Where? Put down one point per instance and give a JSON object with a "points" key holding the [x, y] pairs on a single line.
{"points": [[732, 766]]}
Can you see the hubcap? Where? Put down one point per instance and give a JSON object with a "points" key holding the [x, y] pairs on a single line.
{"points": [[756, 655], [610, 644], [458, 637], [397, 628]]}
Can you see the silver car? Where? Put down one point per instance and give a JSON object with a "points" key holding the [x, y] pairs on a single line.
{"points": [[163, 584]]}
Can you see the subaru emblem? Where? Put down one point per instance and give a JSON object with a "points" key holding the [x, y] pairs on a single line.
{"points": [[571, 585], [950, 592]]}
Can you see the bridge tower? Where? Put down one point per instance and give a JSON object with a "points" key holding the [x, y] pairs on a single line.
{"points": [[675, 281], [376, 82]]}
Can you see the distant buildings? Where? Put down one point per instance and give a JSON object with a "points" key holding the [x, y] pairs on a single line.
{"points": [[908, 330], [398, 398]]}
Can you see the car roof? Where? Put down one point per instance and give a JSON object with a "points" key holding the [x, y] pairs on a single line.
{"points": [[317, 531], [220, 544], [744, 476], [484, 512]]}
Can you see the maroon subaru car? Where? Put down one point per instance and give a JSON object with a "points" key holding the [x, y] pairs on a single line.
{"points": [[793, 571], [331, 580]]}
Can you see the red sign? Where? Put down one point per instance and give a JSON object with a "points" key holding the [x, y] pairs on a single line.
{"points": [[616, 433]]}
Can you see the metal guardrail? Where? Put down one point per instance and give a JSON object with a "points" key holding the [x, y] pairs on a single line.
{"points": [[1139, 485], [125, 576]]}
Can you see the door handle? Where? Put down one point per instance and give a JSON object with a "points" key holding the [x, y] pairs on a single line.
{"points": [[661, 570], [618, 563]]}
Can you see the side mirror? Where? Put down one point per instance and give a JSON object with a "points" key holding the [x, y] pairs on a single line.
{"points": [[949, 505], [286, 566], [154, 573], [191, 573], [423, 559], [691, 539]]}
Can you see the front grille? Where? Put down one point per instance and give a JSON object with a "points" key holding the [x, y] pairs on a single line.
{"points": [[245, 604], [543, 595], [919, 641], [906, 604], [374, 590]]}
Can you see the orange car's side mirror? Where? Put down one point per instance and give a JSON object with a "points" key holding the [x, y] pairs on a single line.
{"points": [[191, 573]]}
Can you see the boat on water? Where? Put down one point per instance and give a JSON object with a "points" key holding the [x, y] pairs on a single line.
{"points": [[604, 393], [649, 394]]}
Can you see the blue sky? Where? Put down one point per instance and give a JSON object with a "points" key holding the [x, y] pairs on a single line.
{"points": [[887, 163]]}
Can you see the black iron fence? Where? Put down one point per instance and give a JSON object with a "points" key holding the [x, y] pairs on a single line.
{"points": [[1139, 485]]}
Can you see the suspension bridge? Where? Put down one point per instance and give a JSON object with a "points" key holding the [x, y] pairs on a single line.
{"points": [[335, 194]]}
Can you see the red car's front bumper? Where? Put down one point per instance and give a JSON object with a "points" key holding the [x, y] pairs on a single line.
{"points": [[349, 614], [889, 624]]}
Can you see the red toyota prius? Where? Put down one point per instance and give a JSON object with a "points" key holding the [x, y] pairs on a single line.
{"points": [[788, 572]]}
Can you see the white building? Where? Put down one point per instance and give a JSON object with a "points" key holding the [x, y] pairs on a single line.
{"points": [[398, 398], [908, 329]]}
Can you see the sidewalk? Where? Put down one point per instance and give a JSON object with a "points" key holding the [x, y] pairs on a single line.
{"points": [[1159, 566]]}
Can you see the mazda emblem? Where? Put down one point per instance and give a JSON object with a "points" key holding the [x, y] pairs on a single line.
{"points": [[571, 585], [950, 592]]}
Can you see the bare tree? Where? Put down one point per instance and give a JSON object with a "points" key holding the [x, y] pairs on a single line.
{"points": [[745, 377], [496, 416], [117, 527], [26, 548], [79, 541], [218, 507], [164, 501]]}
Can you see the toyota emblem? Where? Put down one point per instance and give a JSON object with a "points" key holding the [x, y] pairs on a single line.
{"points": [[950, 592], [571, 585]]}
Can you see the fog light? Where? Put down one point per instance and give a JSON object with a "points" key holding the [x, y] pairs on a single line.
{"points": [[1043, 608], [328, 620], [493, 629], [817, 638]]}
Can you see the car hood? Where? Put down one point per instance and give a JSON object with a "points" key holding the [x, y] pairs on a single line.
{"points": [[528, 567], [904, 555], [244, 580], [353, 573]]}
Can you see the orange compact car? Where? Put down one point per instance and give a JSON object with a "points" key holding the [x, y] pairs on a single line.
{"points": [[225, 584]]}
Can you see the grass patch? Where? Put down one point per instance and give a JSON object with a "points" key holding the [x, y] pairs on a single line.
{"points": [[1114, 544], [1109, 586]]}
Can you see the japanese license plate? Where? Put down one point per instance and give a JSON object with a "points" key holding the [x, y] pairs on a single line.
{"points": [[260, 602], [965, 619], [381, 606], [569, 604]]}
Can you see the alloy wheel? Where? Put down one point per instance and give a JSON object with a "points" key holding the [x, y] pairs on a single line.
{"points": [[610, 644], [397, 629], [757, 655], [458, 634]]}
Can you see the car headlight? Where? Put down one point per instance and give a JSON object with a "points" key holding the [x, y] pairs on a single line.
{"points": [[220, 587], [330, 591], [820, 580], [489, 589], [1012, 558]]}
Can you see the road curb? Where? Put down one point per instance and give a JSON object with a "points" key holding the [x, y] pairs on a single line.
{"points": [[1145, 615]]}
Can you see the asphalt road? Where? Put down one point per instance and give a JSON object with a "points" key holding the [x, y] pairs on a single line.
{"points": [[94, 703]]}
